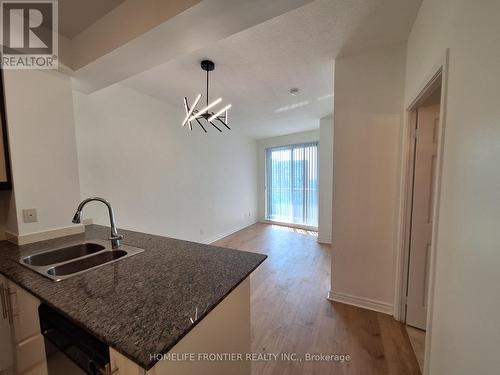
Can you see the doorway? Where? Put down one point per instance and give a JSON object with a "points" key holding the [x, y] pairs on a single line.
{"points": [[422, 188], [425, 138]]}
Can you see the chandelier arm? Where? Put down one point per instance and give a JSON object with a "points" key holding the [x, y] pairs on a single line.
{"points": [[223, 123], [199, 122], [215, 126], [202, 111], [190, 111], [186, 105], [218, 114]]}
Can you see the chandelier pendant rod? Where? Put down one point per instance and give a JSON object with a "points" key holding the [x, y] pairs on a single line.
{"points": [[207, 86]]}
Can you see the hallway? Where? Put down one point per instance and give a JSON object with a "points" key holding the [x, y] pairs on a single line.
{"points": [[290, 312]]}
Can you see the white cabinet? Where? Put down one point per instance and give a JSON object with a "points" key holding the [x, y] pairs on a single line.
{"points": [[20, 336], [24, 307], [6, 343]]}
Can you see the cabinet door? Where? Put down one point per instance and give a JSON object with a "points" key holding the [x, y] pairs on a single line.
{"points": [[6, 343], [28, 346], [24, 306]]}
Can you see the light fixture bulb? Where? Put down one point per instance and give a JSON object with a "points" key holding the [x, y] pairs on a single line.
{"points": [[214, 116], [190, 112], [198, 114]]}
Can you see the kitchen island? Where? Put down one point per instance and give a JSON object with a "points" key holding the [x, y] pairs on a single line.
{"points": [[176, 297]]}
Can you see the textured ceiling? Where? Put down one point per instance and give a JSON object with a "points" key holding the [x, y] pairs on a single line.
{"points": [[256, 68], [76, 15]]}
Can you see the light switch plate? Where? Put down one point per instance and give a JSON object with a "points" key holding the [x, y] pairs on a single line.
{"points": [[30, 215]]}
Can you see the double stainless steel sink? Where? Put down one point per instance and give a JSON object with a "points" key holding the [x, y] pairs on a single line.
{"points": [[64, 262]]}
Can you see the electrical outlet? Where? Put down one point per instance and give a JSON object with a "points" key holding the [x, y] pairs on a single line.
{"points": [[201, 232], [30, 215]]}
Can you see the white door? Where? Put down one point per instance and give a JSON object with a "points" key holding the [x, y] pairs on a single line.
{"points": [[6, 359], [421, 219]]}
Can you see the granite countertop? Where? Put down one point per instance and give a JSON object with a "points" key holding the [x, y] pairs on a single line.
{"points": [[141, 304]]}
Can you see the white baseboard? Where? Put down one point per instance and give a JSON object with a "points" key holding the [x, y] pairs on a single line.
{"points": [[23, 239], [325, 240], [365, 303], [228, 232], [289, 225]]}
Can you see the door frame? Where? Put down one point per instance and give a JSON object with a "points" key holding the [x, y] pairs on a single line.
{"points": [[439, 73]]}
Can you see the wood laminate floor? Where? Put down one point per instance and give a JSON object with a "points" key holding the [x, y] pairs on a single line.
{"points": [[290, 312], [417, 340]]}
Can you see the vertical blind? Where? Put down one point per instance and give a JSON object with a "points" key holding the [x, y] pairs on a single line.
{"points": [[292, 184]]}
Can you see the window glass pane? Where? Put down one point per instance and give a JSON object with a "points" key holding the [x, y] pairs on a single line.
{"points": [[298, 185], [280, 184], [292, 184]]}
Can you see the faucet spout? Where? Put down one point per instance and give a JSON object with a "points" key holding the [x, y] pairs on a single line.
{"points": [[77, 217], [115, 237]]}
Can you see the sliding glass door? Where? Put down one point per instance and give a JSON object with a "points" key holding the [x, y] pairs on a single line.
{"points": [[292, 184]]}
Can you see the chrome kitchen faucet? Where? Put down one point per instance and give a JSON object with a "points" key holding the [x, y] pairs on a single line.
{"points": [[115, 237]]}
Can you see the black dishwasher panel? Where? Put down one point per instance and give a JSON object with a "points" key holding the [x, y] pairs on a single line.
{"points": [[87, 352]]}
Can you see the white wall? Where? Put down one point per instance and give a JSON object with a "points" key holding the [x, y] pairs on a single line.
{"points": [[160, 177], [367, 123], [262, 145], [465, 322], [43, 149], [325, 179], [8, 217]]}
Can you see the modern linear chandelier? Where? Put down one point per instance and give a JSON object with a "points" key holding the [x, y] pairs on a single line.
{"points": [[193, 114]]}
